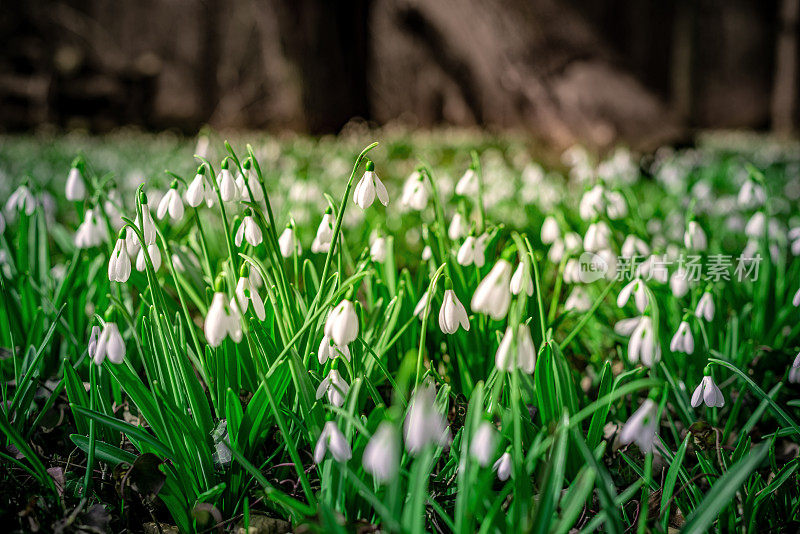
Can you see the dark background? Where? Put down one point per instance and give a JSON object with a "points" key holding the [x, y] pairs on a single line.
{"points": [[643, 72]]}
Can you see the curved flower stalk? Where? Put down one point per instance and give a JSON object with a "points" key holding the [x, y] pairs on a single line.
{"points": [[642, 426], [707, 392], [331, 439], [493, 294], [335, 387], [368, 187], [381, 456]]}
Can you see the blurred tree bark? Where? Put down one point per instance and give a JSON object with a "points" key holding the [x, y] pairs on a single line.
{"points": [[784, 93]]}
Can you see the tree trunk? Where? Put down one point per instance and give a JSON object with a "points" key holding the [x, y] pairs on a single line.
{"points": [[784, 92]]}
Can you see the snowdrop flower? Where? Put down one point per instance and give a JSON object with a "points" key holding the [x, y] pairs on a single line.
{"points": [[457, 228], [246, 295], [526, 352], [198, 189], [578, 301], [708, 392], [634, 246], [20, 200], [75, 189], [109, 344], [424, 423], [147, 226], [679, 282], [484, 443], [248, 183], [331, 439], [695, 238], [794, 371], [452, 313], [336, 388], [598, 237], [756, 225], [132, 242], [91, 348], [705, 307], [155, 258], [250, 231], [172, 203], [342, 324], [368, 186], [572, 271], [427, 253], [503, 467], [616, 206], [221, 321], [288, 242], [493, 295], [751, 194], [91, 232], [328, 350], [520, 278], [382, 454], [415, 196], [592, 203], [420, 307], [682, 341], [796, 299], [2, 224], [641, 427], [468, 251], [119, 265], [793, 235], [322, 241], [377, 252], [639, 291], [5, 266], [227, 185], [625, 327], [550, 232], [468, 184], [643, 345]]}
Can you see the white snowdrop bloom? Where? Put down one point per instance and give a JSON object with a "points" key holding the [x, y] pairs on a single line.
{"points": [[322, 241], [94, 336], [483, 443], [109, 344], [573, 242], [634, 246], [794, 371], [550, 232], [21, 200], [556, 252], [572, 271], [427, 253], [246, 295], [521, 278], [467, 185], [171, 203], [119, 264], [228, 191], [424, 423], [148, 226], [578, 301], [198, 189], [452, 314], [2, 224], [598, 236], [155, 258], [793, 236], [466, 253], [458, 227], [368, 187], [695, 238], [342, 323], [705, 307], [751, 194], [654, 268], [75, 189], [616, 206], [796, 299], [643, 346], [378, 250], [639, 290], [415, 195], [331, 439], [493, 294], [642, 426], [222, 320], [328, 350], [248, 183], [335, 386], [708, 392], [503, 467], [526, 352], [420, 307], [91, 232], [625, 327], [381, 456], [679, 282], [682, 341], [288, 242], [5, 266], [756, 225], [592, 203], [250, 231]]}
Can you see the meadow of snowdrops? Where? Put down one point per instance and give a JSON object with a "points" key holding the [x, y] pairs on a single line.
{"points": [[430, 332]]}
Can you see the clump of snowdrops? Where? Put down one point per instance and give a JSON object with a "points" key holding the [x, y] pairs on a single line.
{"points": [[458, 371]]}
